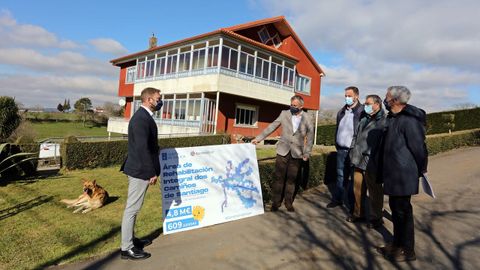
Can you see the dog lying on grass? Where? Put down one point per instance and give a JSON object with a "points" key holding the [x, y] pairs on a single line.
{"points": [[93, 197]]}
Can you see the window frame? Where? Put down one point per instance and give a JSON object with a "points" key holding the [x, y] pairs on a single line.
{"points": [[254, 117]]}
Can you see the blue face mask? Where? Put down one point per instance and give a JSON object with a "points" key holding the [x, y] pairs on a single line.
{"points": [[294, 110], [349, 101], [159, 105], [368, 109], [387, 106]]}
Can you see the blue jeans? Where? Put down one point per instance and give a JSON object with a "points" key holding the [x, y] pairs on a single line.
{"points": [[344, 172]]}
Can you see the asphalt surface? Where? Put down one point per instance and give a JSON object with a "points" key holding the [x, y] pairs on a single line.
{"points": [[314, 237]]}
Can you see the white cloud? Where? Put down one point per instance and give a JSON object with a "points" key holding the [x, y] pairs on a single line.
{"points": [[40, 68], [108, 45], [27, 35], [49, 90], [432, 48], [63, 62]]}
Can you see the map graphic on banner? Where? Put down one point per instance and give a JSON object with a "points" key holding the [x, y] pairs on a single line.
{"points": [[207, 185]]}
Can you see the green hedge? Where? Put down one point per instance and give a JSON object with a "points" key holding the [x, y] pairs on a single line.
{"points": [[80, 155], [326, 135], [462, 120], [441, 143], [440, 122]]}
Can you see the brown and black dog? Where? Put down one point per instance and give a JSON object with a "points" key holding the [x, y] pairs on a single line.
{"points": [[93, 197]]}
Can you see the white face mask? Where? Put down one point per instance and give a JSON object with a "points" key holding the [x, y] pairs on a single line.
{"points": [[349, 101], [368, 109]]}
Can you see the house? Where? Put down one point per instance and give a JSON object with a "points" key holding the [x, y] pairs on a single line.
{"points": [[233, 80]]}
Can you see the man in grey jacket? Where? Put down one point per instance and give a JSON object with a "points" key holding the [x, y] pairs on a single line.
{"points": [[364, 159], [295, 144]]}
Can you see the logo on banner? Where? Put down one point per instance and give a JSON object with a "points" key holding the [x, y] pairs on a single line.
{"points": [[237, 179]]}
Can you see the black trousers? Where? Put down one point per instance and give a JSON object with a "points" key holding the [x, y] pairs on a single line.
{"points": [[402, 216], [286, 172]]}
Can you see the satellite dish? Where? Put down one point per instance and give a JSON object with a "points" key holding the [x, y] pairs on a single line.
{"points": [[122, 102]]}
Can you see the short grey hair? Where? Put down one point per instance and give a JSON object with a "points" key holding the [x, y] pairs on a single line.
{"points": [[400, 93], [297, 97]]}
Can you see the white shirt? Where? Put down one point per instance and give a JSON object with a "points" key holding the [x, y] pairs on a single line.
{"points": [[148, 110], [296, 119], [345, 129]]}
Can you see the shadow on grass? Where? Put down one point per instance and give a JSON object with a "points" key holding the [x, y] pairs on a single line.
{"points": [[96, 264], [12, 211], [114, 255], [29, 179]]}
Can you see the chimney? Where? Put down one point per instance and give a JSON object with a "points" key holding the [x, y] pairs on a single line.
{"points": [[152, 42]]}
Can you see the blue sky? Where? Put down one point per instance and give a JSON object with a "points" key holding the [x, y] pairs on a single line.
{"points": [[52, 50]]}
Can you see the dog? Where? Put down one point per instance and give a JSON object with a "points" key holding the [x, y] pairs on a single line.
{"points": [[93, 197]]}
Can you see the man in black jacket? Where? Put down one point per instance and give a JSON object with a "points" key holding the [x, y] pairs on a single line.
{"points": [[142, 167], [347, 121], [404, 160], [364, 159]]}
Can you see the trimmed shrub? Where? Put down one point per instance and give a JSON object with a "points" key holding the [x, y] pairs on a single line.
{"points": [[79, 155], [440, 122], [326, 135], [441, 143], [320, 171]]}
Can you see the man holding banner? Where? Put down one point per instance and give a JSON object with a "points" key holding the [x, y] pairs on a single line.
{"points": [[294, 144]]}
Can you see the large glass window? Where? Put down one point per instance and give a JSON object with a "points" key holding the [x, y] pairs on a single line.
{"points": [[160, 66], [302, 84], [198, 59], [171, 64], [130, 78], [167, 109], [212, 57], [180, 107], [184, 62], [150, 66], [141, 69], [243, 62], [245, 115], [194, 110]]}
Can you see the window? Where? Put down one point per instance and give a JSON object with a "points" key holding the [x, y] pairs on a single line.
{"points": [[171, 64], [141, 69], [212, 57], [243, 62], [245, 115], [184, 62], [302, 84], [160, 66], [150, 67], [198, 59], [267, 39], [130, 78]]}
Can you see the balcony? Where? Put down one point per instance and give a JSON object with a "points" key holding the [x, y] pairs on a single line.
{"points": [[221, 56]]}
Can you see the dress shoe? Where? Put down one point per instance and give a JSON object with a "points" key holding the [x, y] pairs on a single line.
{"points": [[401, 255], [353, 219], [134, 254], [141, 243], [274, 208], [334, 204], [375, 224], [387, 249], [290, 208]]}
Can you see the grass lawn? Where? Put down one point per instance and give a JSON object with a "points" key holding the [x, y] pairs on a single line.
{"points": [[37, 230], [62, 129]]}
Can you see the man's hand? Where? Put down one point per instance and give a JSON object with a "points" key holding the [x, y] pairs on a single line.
{"points": [[152, 180], [254, 141], [305, 158]]}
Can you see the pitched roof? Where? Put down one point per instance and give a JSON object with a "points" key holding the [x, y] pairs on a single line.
{"points": [[279, 21]]}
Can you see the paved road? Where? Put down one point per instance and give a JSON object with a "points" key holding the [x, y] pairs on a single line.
{"points": [[447, 232]]}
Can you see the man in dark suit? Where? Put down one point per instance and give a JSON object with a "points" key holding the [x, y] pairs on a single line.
{"points": [[404, 160], [142, 167]]}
